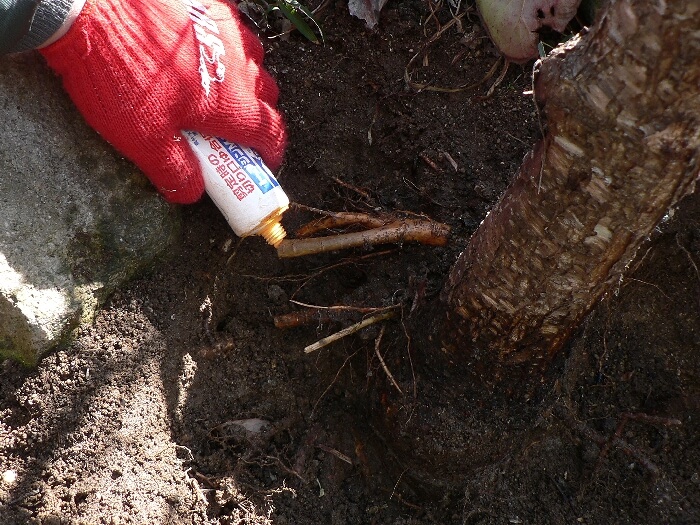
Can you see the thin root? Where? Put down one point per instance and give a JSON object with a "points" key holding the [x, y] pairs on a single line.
{"points": [[357, 190], [381, 360], [690, 257], [615, 441], [337, 375], [334, 452]]}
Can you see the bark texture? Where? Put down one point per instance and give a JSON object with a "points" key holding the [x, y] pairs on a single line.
{"points": [[622, 107]]}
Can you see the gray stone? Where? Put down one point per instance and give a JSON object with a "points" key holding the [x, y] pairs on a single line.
{"points": [[76, 219]]}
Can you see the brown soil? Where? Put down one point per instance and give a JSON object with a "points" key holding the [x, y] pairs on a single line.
{"points": [[138, 420]]}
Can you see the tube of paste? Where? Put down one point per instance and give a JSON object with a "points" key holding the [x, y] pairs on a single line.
{"points": [[241, 186]]}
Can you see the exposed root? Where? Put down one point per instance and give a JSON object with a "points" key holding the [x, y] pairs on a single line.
{"points": [[418, 86], [215, 345], [340, 220], [400, 230], [336, 453], [235, 252], [422, 54], [344, 262], [348, 308], [207, 314], [364, 194], [616, 441], [690, 257], [305, 317], [430, 162], [410, 359], [644, 418], [321, 314], [304, 278], [499, 80], [337, 375]]}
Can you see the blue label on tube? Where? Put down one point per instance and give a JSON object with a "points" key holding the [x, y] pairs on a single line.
{"points": [[252, 165]]}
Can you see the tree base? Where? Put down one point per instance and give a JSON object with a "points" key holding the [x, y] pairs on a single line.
{"points": [[448, 426]]}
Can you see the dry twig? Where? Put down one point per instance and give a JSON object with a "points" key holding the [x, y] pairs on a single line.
{"points": [[455, 21], [347, 331]]}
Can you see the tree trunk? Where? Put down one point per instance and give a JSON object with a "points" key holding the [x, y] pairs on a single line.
{"points": [[622, 107]]}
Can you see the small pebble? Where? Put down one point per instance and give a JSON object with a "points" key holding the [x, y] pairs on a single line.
{"points": [[9, 477], [276, 294]]}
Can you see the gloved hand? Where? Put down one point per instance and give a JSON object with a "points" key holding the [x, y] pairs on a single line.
{"points": [[142, 70]]}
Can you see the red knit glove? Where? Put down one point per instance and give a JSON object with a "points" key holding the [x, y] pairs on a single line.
{"points": [[142, 70]]}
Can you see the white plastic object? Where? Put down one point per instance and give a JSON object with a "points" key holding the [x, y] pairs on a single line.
{"points": [[241, 186]]}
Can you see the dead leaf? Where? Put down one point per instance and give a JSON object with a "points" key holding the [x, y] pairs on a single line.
{"points": [[367, 10], [513, 24]]}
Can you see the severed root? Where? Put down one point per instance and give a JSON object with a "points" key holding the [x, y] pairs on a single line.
{"points": [[304, 317], [322, 314], [405, 230]]}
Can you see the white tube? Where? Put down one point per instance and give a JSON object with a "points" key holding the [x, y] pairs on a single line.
{"points": [[241, 186]]}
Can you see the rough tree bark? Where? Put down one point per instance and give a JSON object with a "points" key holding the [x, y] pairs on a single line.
{"points": [[622, 108]]}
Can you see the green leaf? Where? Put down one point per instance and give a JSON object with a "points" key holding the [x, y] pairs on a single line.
{"points": [[291, 12], [307, 12]]}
